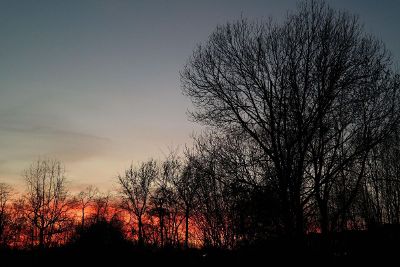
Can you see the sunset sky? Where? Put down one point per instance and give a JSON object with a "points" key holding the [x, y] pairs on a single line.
{"points": [[96, 83]]}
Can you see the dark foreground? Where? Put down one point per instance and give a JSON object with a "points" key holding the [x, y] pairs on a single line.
{"points": [[353, 247]]}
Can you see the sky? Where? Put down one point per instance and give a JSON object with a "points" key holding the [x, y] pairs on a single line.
{"points": [[96, 85]]}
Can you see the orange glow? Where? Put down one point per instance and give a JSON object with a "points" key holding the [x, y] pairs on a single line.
{"points": [[27, 236]]}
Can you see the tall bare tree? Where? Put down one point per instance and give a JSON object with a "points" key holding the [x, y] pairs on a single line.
{"points": [[379, 200], [164, 200], [85, 199], [306, 91], [136, 186], [185, 185], [47, 202], [5, 202], [103, 207]]}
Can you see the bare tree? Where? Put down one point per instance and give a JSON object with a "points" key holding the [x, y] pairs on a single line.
{"points": [[245, 179], [136, 186], [379, 201], [5, 199], [103, 208], [164, 200], [47, 202], [306, 91], [85, 199], [18, 228], [186, 184]]}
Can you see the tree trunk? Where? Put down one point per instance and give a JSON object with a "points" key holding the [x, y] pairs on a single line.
{"points": [[324, 224], [140, 231], [161, 230], [287, 217], [323, 209], [41, 238], [83, 217], [299, 217], [187, 228]]}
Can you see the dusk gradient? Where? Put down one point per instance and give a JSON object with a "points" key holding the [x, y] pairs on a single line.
{"points": [[96, 84]]}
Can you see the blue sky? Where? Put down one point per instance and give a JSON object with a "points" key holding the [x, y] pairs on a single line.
{"points": [[96, 83]]}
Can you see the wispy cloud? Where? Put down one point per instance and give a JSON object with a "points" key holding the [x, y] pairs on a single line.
{"points": [[22, 144]]}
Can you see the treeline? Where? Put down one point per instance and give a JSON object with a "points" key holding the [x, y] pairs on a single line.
{"points": [[218, 194], [187, 200]]}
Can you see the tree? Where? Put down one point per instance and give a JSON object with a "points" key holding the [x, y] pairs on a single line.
{"points": [[101, 234], [85, 199], [5, 199], [315, 93], [136, 187], [244, 176], [186, 185], [47, 202], [380, 196], [102, 208], [164, 201]]}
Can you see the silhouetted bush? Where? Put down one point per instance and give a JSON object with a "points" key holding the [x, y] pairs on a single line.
{"points": [[100, 234]]}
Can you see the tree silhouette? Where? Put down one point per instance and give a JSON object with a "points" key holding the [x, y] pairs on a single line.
{"points": [[315, 93], [85, 199], [5, 199], [136, 187], [186, 185], [100, 234], [47, 202], [164, 201]]}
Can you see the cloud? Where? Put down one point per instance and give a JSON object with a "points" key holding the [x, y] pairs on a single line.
{"points": [[22, 144]]}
